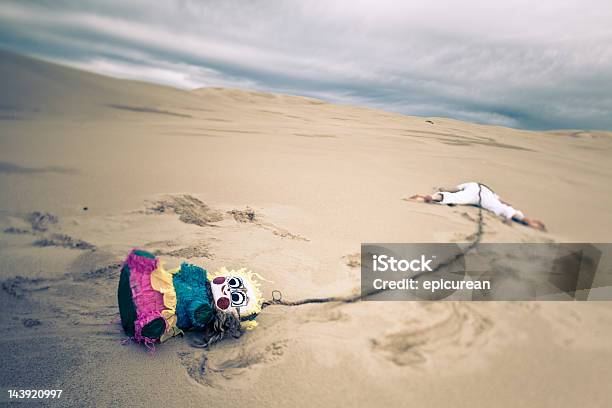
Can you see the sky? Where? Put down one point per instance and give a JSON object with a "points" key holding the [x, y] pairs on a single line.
{"points": [[543, 64]]}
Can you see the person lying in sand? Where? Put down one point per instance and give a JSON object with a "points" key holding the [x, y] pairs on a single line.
{"points": [[478, 194]]}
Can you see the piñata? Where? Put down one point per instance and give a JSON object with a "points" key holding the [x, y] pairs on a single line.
{"points": [[156, 304]]}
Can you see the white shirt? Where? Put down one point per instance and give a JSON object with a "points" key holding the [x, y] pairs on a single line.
{"points": [[473, 193]]}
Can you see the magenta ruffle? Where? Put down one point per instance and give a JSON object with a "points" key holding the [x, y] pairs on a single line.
{"points": [[149, 303]]}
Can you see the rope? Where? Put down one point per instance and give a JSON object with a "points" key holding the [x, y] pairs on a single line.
{"points": [[277, 295], [280, 301]]}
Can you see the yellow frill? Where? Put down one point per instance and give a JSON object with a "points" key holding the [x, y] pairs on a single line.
{"points": [[161, 281]]}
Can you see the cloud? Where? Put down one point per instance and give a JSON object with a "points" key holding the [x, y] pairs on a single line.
{"points": [[11, 168], [180, 75], [546, 64]]}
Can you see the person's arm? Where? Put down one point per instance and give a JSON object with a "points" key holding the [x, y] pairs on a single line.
{"points": [[426, 198], [539, 225], [436, 197]]}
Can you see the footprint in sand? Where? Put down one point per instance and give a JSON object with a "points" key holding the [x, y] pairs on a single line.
{"points": [[332, 314], [449, 329], [231, 360], [41, 222], [195, 364], [19, 287], [95, 265], [248, 215], [63, 241], [40, 225], [193, 211], [199, 249], [82, 299], [352, 260], [189, 209]]}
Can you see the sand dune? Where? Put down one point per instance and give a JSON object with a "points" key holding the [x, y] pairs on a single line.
{"points": [[288, 186]]}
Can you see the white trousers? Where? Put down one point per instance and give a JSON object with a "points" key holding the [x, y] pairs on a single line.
{"points": [[473, 193]]}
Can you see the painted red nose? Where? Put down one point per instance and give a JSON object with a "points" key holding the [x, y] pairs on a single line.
{"points": [[219, 280], [223, 303]]}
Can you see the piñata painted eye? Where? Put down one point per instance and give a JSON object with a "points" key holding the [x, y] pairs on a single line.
{"points": [[234, 282], [238, 299], [223, 303]]}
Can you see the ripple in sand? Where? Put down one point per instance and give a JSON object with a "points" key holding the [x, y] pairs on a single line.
{"points": [[146, 109]]}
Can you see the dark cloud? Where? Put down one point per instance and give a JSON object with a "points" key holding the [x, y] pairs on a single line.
{"points": [[546, 64], [11, 168]]}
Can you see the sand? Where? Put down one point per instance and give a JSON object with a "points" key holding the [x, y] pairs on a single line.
{"points": [[289, 187]]}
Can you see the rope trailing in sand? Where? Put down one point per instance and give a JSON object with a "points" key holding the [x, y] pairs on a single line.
{"points": [[278, 301]]}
